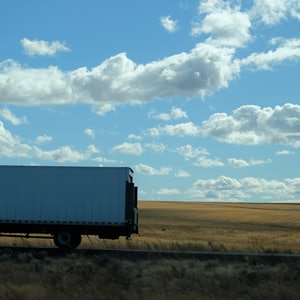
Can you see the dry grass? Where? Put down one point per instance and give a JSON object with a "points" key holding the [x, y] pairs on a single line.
{"points": [[34, 275], [219, 226], [171, 225]]}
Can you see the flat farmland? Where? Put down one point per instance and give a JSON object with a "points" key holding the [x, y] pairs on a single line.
{"points": [[220, 226]]}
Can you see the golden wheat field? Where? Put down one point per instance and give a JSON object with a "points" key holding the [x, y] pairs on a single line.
{"points": [[34, 274], [221, 226]]}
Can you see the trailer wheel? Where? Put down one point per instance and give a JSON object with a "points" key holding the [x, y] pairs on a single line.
{"points": [[76, 240], [67, 240]]}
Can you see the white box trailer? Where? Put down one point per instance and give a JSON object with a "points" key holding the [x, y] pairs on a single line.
{"points": [[67, 202]]}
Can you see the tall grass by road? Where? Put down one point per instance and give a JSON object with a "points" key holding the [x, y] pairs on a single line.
{"points": [[35, 276]]}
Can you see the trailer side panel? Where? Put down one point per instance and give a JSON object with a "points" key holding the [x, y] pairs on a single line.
{"points": [[86, 195]]}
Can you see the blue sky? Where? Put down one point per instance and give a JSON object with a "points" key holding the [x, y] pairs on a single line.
{"points": [[200, 98]]}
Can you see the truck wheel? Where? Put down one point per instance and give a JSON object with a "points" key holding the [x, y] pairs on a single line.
{"points": [[67, 240], [76, 240]]}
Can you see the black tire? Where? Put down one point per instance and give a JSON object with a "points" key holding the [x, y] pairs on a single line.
{"points": [[76, 240], [66, 239]]}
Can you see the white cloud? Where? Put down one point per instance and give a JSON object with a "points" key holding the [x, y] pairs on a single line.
{"points": [[169, 24], [134, 137], [63, 154], [187, 151], [6, 114], [232, 189], [288, 49], [200, 156], [202, 71], [253, 125], [272, 12], [43, 48], [229, 22], [129, 148], [90, 132], [101, 160], [92, 149], [182, 173], [148, 170], [285, 152], [205, 162], [157, 147], [30, 86], [11, 146], [240, 163], [210, 6], [227, 27], [174, 114], [43, 139], [118, 80], [166, 191], [180, 130]]}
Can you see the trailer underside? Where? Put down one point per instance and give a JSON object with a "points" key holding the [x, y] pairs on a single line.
{"points": [[66, 236]]}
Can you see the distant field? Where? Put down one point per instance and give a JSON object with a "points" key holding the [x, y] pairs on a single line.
{"points": [[221, 226], [208, 226]]}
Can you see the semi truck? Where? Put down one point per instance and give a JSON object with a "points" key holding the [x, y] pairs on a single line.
{"points": [[63, 203]]}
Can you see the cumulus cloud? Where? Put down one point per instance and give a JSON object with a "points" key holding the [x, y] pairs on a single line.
{"points": [[226, 26], [285, 152], [226, 188], [62, 154], [200, 156], [228, 23], [92, 149], [287, 49], [206, 162], [148, 170], [157, 147], [33, 87], [272, 12], [12, 146], [174, 114], [42, 48], [188, 151], [43, 139], [169, 24], [118, 80], [89, 132], [182, 173], [6, 114], [165, 191], [241, 163], [253, 125], [129, 148], [101, 160], [248, 125], [134, 137], [180, 130]]}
